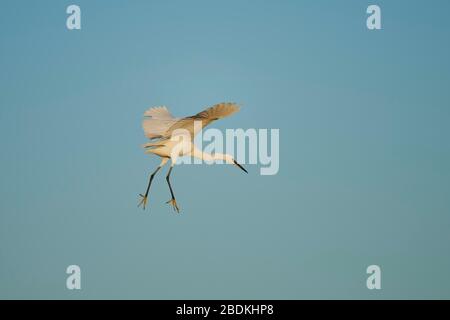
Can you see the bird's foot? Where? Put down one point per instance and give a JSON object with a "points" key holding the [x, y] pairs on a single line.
{"points": [[173, 202], [143, 201]]}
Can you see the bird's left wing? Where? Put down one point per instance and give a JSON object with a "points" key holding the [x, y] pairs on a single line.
{"points": [[159, 113], [157, 121]]}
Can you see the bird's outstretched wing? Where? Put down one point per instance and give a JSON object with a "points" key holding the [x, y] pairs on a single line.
{"points": [[204, 118], [162, 125], [157, 121], [158, 113]]}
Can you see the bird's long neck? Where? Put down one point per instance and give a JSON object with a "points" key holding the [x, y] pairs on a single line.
{"points": [[208, 156]]}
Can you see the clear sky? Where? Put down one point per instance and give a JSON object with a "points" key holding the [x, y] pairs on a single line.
{"points": [[364, 154]]}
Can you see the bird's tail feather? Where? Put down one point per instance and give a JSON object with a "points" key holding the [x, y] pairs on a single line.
{"points": [[152, 145]]}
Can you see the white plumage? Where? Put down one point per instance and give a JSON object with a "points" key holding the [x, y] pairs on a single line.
{"points": [[164, 130]]}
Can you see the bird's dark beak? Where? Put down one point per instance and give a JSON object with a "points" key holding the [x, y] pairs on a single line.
{"points": [[237, 164]]}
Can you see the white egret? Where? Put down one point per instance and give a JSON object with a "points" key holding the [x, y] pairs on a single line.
{"points": [[174, 138]]}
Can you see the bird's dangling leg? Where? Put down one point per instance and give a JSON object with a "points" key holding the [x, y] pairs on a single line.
{"points": [[172, 201], [143, 201]]}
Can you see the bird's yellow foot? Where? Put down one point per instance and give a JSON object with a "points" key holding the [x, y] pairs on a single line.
{"points": [[174, 204], [143, 201]]}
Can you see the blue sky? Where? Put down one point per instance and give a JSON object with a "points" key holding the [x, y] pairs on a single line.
{"points": [[364, 157]]}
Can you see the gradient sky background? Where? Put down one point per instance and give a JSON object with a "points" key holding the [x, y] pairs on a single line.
{"points": [[364, 153]]}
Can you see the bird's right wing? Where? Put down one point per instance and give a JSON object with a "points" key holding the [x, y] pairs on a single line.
{"points": [[204, 118], [160, 124]]}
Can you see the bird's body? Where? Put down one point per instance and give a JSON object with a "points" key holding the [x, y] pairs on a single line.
{"points": [[173, 138], [165, 148]]}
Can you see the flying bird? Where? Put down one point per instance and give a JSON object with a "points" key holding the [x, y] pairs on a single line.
{"points": [[173, 138]]}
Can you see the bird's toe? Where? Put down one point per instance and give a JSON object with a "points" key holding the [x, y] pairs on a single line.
{"points": [[173, 202], [143, 201]]}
